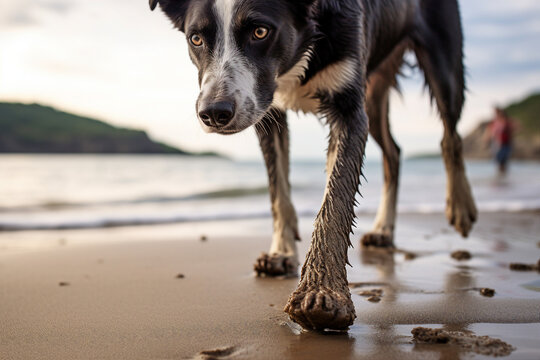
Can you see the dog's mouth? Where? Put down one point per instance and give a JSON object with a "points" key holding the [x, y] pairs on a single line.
{"points": [[240, 124], [228, 132]]}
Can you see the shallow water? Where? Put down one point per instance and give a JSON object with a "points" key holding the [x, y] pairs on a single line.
{"points": [[436, 291], [78, 191]]}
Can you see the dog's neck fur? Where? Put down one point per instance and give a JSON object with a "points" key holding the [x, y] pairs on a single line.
{"points": [[336, 63], [293, 93]]}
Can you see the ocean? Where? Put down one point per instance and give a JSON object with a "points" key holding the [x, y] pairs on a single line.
{"points": [[40, 192]]}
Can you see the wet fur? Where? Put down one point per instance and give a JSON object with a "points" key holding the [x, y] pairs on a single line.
{"points": [[339, 60]]}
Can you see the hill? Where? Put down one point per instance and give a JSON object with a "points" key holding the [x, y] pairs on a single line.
{"points": [[526, 140], [33, 128]]}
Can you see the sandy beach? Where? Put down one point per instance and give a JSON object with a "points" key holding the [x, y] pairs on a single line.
{"points": [[160, 292]]}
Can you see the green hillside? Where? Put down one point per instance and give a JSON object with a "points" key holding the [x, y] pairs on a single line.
{"points": [[33, 128], [527, 112]]}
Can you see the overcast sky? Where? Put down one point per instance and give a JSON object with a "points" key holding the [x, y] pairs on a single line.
{"points": [[119, 62]]}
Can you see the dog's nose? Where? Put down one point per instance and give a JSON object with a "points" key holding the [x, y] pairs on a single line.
{"points": [[217, 114]]}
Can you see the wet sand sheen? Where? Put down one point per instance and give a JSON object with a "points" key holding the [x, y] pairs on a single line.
{"points": [[124, 299]]}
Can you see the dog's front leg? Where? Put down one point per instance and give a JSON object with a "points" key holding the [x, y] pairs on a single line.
{"points": [[322, 299], [274, 140]]}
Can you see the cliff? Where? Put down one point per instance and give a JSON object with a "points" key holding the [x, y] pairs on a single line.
{"points": [[526, 143]]}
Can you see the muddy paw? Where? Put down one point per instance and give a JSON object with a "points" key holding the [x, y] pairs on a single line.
{"points": [[461, 215], [276, 265], [320, 309], [377, 240]]}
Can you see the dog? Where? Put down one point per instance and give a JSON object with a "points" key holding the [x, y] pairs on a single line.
{"points": [[337, 59]]}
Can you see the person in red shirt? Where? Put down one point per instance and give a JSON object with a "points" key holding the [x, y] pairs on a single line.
{"points": [[500, 132]]}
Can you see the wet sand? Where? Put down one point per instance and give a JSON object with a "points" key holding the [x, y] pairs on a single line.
{"points": [[119, 294]]}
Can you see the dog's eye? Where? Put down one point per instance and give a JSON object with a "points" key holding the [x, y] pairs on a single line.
{"points": [[260, 33], [196, 40]]}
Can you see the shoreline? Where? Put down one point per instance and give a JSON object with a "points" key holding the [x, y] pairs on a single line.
{"points": [[113, 224]]}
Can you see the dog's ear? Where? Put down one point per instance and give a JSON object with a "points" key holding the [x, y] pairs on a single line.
{"points": [[302, 9], [174, 9], [304, 3]]}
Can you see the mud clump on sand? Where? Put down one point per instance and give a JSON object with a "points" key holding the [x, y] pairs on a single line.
{"points": [[487, 292], [483, 345], [524, 267], [372, 292], [431, 336], [373, 295], [461, 255], [357, 285], [410, 255], [216, 353]]}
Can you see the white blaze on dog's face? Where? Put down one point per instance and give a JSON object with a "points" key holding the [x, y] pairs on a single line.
{"points": [[229, 76], [240, 48]]}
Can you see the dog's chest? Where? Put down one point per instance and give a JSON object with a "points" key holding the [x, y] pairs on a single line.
{"points": [[292, 95]]}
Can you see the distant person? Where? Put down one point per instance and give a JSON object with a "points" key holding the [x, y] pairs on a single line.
{"points": [[500, 132]]}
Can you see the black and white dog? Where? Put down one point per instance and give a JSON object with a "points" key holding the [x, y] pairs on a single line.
{"points": [[337, 59]]}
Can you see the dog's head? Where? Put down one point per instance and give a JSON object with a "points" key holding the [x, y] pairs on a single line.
{"points": [[240, 48]]}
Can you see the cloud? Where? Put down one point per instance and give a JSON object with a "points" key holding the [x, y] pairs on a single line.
{"points": [[85, 58], [27, 13], [500, 38], [19, 17], [57, 6]]}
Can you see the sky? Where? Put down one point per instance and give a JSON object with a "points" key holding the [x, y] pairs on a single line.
{"points": [[119, 62]]}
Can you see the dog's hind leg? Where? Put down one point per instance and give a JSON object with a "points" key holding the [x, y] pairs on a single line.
{"points": [[382, 234], [439, 50], [322, 299], [377, 107], [274, 140]]}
